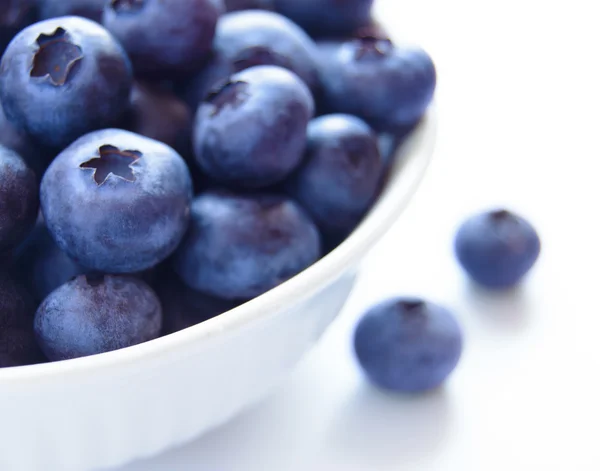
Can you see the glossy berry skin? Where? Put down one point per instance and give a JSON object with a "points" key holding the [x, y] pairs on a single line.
{"points": [[159, 114], [497, 248], [91, 9], [235, 5], [42, 266], [14, 16], [184, 307], [239, 247], [17, 342], [255, 37], [80, 80], [251, 132], [408, 345], [18, 199], [339, 177], [164, 39], [92, 315], [117, 202], [387, 86], [327, 17]]}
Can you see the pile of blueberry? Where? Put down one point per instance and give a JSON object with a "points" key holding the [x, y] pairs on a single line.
{"points": [[164, 161]]}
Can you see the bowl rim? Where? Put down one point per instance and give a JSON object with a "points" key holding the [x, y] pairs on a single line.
{"points": [[407, 172]]}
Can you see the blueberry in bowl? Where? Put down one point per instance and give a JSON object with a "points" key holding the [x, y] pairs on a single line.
{"points": [[91, 9], [117, 202], [251, 131], [327, 17], [388, 86], [164, 39], [339, 178], [62, 78]]}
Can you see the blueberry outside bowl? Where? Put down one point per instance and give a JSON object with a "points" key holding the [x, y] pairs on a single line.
{"points": [[106, 410]]}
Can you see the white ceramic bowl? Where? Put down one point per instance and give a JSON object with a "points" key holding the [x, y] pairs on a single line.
{"points": [[105, 410]]}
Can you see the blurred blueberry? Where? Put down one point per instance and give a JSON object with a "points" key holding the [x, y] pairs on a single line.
{"points": [[239, 247], [159, 114], [117, 202], [235, 5], [497, 248], [164, 39], [408, 345], [97, 314], [250, 38], [91, 9], [327, 17], [14, 16], [18, 199], [339, 177], [251, 132], [389, 87]]}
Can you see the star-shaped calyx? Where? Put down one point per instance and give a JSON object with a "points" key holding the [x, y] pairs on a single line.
{"points": [[56, 57], [112, 160]]}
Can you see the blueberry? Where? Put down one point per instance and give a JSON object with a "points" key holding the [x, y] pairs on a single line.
{"points": [[159, 114], [17, 342], [42, 266], [164, 39], [184, 307], [117, 202], [254, 37], [339, 178], [326, 17], [14, 16], [235, 5], [497, 248], [240, 246], [251, 132], [91, 9], [408, 345], [97, 314], [387, 86], [18, 199], [62, 78]]}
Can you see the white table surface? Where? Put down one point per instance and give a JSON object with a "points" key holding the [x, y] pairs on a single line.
{"points": [[519, 124]]}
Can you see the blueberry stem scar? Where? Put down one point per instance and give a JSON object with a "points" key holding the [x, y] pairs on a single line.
{"points": [[112, 160], [229, 93], [56, 57], [372, 46]]}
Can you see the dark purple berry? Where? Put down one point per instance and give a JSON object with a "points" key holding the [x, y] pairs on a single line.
{"points": [[497, 248], [327, 17], [251, 132], [408, 345], [91, 9], [14, 16], [339, 177], [239, 247], [235, 5], [97, 314], [164, 39], [18, 199]]}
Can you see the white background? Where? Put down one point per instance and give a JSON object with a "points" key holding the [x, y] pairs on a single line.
{"points": [[518, 102]]}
